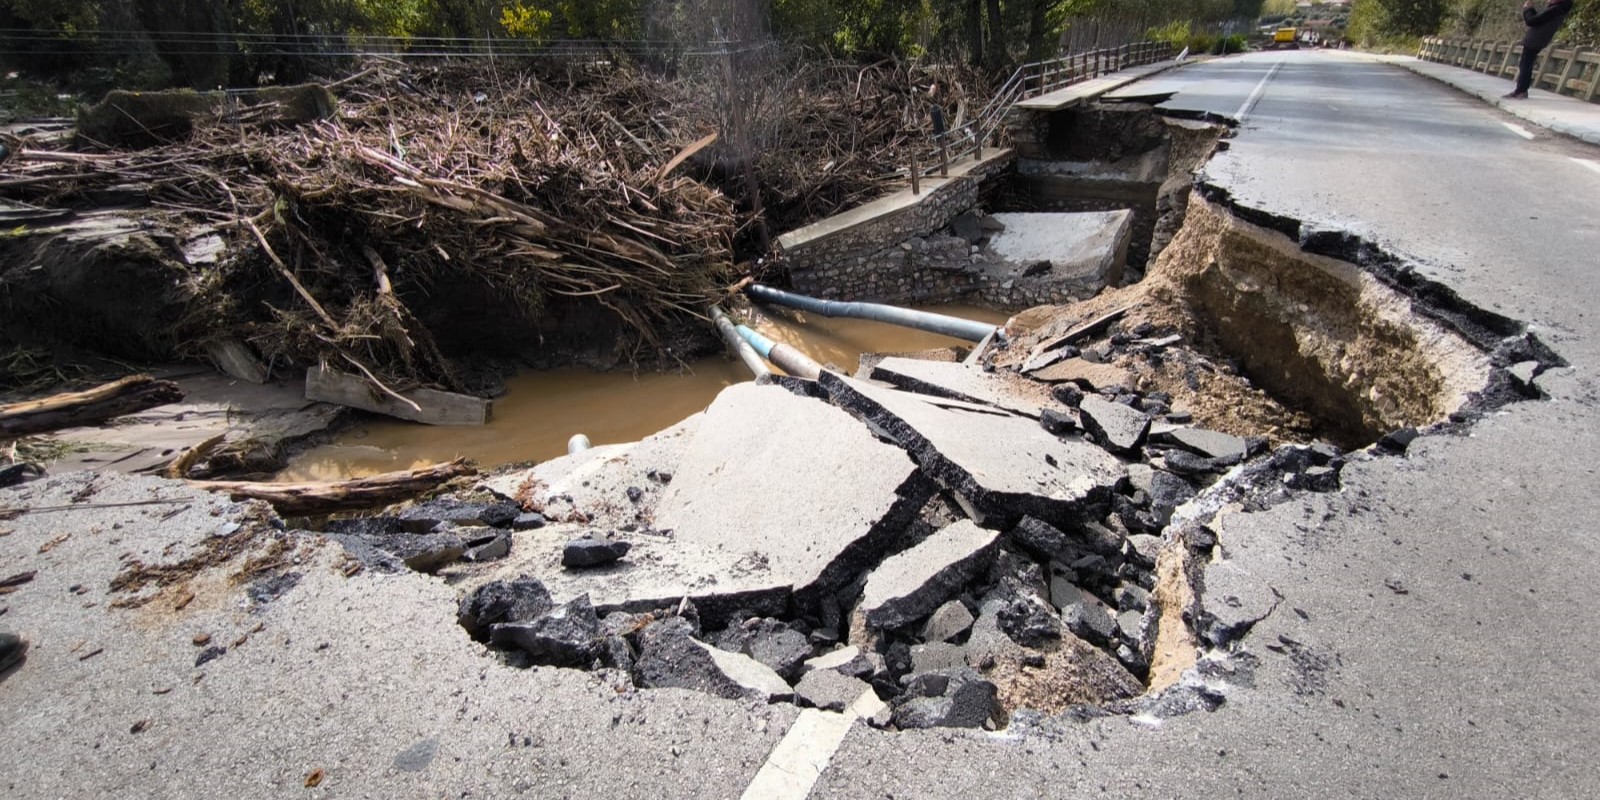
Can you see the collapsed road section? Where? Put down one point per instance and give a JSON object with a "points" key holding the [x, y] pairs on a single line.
{"points": [[924, 543]]}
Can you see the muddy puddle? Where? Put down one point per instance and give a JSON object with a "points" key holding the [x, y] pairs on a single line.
{"points": [[542, 410]]}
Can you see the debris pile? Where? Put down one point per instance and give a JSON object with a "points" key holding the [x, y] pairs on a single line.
{"points": [[433, 208], [929, 544]]}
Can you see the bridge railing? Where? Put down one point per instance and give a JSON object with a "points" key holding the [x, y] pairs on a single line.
{"points": [[1571, 71], [971, 136]]}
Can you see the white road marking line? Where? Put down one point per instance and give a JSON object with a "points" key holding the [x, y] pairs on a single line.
{"points": [[1593, 166], [800, 757], [1255, 96], [1518, 130]]}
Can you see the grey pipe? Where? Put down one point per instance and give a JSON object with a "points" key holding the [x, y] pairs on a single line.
{"points": [[957, 327], [577, 444], [787, 358], [740, 347]]}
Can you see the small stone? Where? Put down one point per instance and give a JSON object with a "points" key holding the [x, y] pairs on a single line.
{"points": [[1057, 422], [580, 553], [201, 639], [488, 548], [1089, 621], [1180, 417], [781, 649], [1144, 548], [527, 521], [1131, 597], [964, 700], [1067, 394], [635, 494], [1399, 440], [1130, 625], [951, 620], [829, 690], [1186, 463], [847, 660], [936, 656]]}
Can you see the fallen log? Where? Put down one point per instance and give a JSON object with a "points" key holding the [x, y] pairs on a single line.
{"points": [[327, 497], [90, 407]]}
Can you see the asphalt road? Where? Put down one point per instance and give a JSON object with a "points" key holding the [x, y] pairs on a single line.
{"points": [[1479, 680], [1435, 636]]}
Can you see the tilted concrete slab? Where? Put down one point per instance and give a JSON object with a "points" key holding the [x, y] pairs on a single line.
{"points": [[964, 382], [773, 494], [912, 584], [1090, 247], [999, 465]]}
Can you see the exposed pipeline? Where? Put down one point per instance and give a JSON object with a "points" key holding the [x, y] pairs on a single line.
{"points": [[957, 327], [740, 347], [787, 358], [577, 444]]}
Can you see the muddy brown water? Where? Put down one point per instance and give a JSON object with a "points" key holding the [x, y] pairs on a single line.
{"points": [[541, 410]]}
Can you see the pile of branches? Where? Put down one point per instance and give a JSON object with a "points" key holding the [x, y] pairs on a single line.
{"points": [[590, 183]]}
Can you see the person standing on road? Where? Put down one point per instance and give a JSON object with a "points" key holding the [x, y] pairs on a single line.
{"points": [[1542, 26]]}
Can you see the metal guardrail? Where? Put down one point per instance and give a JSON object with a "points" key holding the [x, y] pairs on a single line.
{"points": [[1029, 80], [1571, 71]]}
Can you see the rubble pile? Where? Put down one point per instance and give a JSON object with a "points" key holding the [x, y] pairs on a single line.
{"points": [[929, 543]]}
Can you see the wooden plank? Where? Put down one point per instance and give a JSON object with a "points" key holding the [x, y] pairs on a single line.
{"points": [[1082, 330], [436, 408], [130, 395]]}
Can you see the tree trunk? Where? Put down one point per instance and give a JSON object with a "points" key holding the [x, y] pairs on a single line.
{"points": [[997, 44], [75, 409], [975, 30], [311, 499]]}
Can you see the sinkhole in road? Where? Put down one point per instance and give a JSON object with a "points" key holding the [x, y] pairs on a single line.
{"points": [[1241, 372]]}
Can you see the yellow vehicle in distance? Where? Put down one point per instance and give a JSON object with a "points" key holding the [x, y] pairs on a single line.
{"points": [[1286, 38]]}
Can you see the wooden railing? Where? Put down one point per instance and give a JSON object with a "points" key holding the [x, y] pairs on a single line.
{"points": [[1572, 71], [1029, 80]]}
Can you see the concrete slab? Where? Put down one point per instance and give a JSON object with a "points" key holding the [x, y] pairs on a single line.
{"points": [[999, 465], [966, 382], [1089, 247]]}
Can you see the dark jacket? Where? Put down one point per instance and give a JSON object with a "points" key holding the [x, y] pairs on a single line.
{"points": [[1542, 25]]}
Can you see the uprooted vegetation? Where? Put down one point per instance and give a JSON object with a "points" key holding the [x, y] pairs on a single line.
{"points": [[576, 212]]}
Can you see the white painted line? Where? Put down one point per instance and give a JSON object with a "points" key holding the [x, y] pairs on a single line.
{"points": [[1593, 166], [1518, 130], [1255, 96], [800, 757]]}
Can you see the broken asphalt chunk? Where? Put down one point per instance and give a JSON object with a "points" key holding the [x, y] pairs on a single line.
{"points": [[1220, 447], [427, 516], [1118, 427], [567, 636], [517, 600], [829, 690], [950, 620], [910, 585], [955, 698]]}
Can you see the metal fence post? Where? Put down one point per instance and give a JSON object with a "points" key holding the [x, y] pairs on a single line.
{"points": [[1594, 81], [916, 175]]}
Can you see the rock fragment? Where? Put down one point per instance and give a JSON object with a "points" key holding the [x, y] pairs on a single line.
{"points": [[829, 690], [845, 660], [592, 552], [954, 698], [950, 620], [1118, 427], [428, 516], [567, 636], [1219, 447], [518, 600]]}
